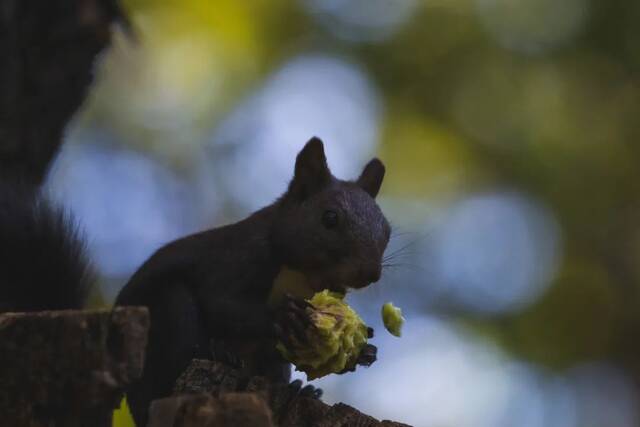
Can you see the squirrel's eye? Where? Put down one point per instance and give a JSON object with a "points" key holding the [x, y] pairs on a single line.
{"points": [[329, 219]]}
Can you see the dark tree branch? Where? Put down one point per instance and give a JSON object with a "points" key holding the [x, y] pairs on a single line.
{"points": [[213, 394], [47, 53]]}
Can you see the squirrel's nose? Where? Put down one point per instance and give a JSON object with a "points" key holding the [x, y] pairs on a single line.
{"points": [[371, 273]]}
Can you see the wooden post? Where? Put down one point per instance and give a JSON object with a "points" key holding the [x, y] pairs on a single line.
{"points": [[57, 369]]}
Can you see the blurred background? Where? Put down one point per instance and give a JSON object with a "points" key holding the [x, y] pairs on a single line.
{"points": [[509, 131]]}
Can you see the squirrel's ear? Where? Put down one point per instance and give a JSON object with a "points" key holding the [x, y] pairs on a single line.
{"points": [[311, 173], [371, 178]]}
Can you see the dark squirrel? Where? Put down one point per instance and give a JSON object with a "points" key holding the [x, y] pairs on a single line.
{"points": [[210, 290]]}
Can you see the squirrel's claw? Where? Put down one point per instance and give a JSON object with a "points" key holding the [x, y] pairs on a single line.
{"points": [[311, 391], [298, 307], [295, 385], [306, 391], [297, 328], [368, 355], [299, 302]]}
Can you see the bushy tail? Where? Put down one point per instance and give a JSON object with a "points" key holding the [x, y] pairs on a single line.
{"points": [[42, 260]]}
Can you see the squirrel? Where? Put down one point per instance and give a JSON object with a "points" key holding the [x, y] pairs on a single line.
{"points": [[208, 293]]}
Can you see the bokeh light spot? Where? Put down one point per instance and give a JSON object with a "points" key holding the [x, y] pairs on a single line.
{"points": [[309, 96], [496, 253], [128, 204]]}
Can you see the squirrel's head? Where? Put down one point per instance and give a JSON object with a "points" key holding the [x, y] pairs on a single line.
{"points": [[332, 230]]}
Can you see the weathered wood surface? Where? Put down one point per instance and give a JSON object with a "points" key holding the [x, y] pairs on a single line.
{"points": [[57, 368], [212, 394], [203, 409]]}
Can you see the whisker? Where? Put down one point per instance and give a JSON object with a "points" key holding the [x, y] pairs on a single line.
{"points": [[403, 265], [395, 235], [400, 255], [390, 260], [402, 248]]}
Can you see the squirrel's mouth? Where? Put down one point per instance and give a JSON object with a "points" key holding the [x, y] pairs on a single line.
{"points": [[338, 288], [360, 285], [319, 283], [345, 288]]}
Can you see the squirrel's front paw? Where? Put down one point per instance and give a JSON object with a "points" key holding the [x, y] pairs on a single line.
{"points": [[291, 321], [368, 355], [369, 352], [306, 391]]}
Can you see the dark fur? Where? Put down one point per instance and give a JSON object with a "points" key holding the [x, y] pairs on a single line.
{"points": [[215, 284], [41, 255]]}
